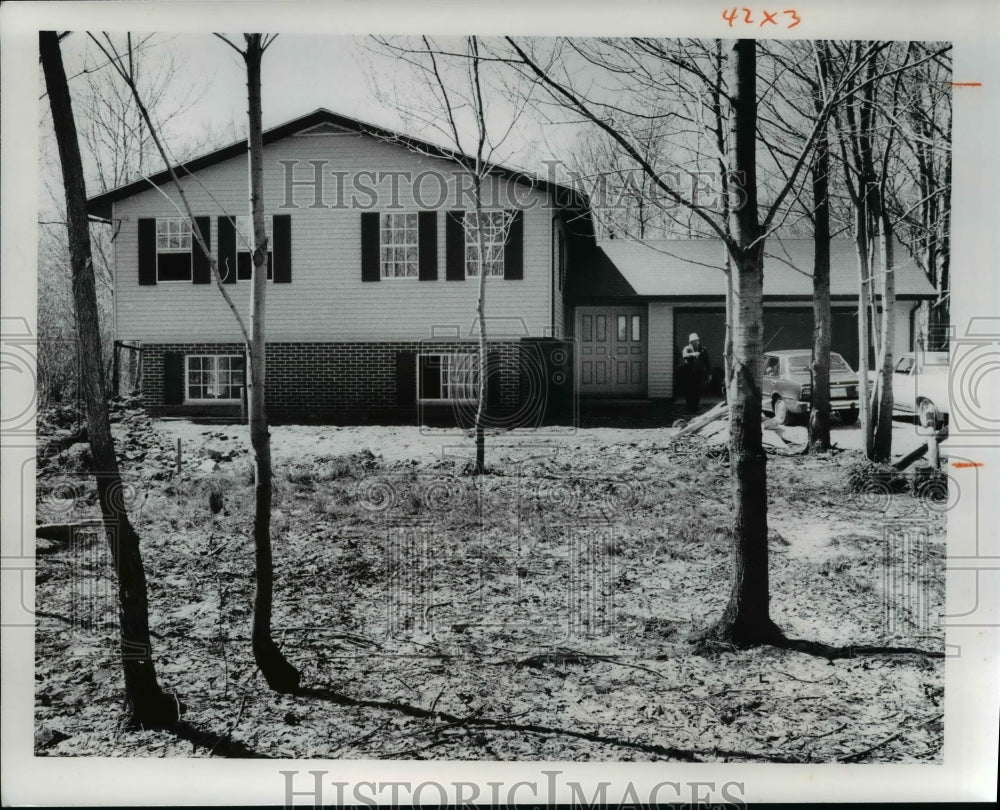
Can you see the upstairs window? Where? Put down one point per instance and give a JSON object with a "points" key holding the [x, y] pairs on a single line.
{"points": [[173, 249], [399, 246], [244, 248], [493, 236]]}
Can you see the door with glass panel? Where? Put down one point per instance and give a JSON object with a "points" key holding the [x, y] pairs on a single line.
{"points": [[611, 344]]}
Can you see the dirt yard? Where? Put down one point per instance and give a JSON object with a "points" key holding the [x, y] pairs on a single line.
{"points": [[540, 612]]}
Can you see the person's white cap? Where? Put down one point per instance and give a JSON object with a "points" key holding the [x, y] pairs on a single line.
{"points": [[693, 336]]}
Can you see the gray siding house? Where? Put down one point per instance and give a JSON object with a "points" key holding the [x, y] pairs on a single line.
{"points": [[373, 284]]}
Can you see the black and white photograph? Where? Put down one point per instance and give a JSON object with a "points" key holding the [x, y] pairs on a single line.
{"points": [[489, 410]]}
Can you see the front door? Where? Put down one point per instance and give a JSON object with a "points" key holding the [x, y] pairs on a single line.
{"points": [[612, 350]]}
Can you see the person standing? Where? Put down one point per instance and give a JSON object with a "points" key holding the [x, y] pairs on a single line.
{"points": [[697, 370]]}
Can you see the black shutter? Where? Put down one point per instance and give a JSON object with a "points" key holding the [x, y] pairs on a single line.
{"points": [[455, 246], [201, 268], [493, 392], [173, 378], [513, 251], [427, 240], [406, 380], [227, 250], [147, 251], [371, 262], [281, 250]]}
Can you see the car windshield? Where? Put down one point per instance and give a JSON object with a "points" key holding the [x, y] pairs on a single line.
{"points": [[838, 363], [799, 363]]}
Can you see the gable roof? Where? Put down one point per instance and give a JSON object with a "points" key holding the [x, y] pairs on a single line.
{"points": [[692, 268], [317, 122]]}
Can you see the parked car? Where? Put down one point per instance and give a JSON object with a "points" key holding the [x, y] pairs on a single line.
{"points": [[787, 385], [920, 386]]}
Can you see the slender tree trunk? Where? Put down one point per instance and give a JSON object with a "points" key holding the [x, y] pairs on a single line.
{"points": [[145, 703], [882, 443], [746, 618], [941, 309], [864, 283], [727, 346], [481, 316], [819, 415], [279, 674]]}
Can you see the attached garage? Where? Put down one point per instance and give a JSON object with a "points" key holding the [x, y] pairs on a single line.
{"points": [[632, 306], [785, 327]]}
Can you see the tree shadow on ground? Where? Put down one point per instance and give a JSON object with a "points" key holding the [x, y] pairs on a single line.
{"points": [[476, 721]]}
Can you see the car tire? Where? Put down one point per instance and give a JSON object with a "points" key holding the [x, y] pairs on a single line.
{"points": [[927, 414], [781, 414]]}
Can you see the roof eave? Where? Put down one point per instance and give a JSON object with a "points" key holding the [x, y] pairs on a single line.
{"points": [[100, 205]]}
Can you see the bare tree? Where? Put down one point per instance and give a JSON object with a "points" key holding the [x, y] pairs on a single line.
{"points": [[800, 80], [744, 232], [919, 190], [116, 149], [279, 674], [455, 107], [619, 190], [145, 703], [871, 138]]}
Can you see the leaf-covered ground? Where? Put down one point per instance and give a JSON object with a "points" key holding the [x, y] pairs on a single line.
{"points": [[540, 612]]}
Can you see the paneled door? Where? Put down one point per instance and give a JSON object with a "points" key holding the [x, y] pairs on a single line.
{"points": [[612, 350]]}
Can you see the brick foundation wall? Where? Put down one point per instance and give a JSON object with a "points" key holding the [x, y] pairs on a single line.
{"points": [[334, 382]]}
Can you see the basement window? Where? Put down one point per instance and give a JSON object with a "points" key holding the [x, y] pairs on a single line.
{"points": [[214, 377], [447, 377]]}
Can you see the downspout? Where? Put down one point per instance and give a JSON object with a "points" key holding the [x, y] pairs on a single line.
{"points": [[552, 265], [114, 287]]}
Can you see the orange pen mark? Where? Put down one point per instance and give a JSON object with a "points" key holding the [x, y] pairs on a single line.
{"points": [[966, 84], [961, 464]]}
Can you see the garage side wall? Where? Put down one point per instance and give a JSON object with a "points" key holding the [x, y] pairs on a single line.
{"points": [[661, 350]]}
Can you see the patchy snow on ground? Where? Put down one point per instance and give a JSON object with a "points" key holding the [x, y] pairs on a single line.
{"points": [[542, 611]]}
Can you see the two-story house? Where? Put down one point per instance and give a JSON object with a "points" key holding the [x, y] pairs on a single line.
{"points": [[373, 285], [372, 278]]}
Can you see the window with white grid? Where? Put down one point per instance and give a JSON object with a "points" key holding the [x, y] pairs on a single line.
{"points": [[493, 226], [173, 249], [244, 232], [448, 377], [173, 234], [215, 377], [399, 248], [244, 248]]}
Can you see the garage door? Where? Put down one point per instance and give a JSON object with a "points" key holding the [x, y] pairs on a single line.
{"points": [[784, 328]]}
